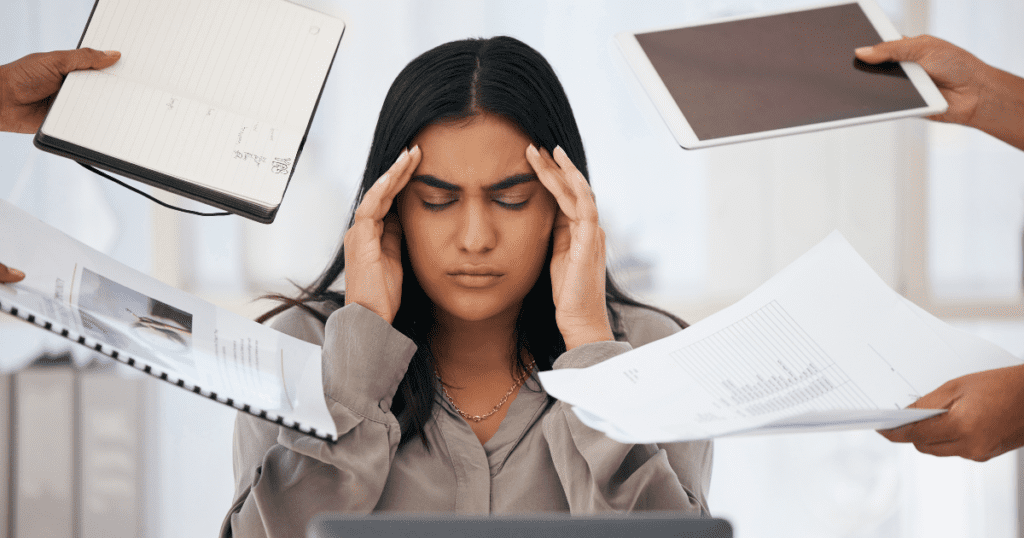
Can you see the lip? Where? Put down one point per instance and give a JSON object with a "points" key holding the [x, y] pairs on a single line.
{"points": [[476, 270], [476, 276]]}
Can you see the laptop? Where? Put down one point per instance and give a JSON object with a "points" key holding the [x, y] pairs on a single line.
{"points": [[535, 526]]}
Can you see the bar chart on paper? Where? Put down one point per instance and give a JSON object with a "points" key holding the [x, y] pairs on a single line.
{"points": [[765, 363], [824, 345]]}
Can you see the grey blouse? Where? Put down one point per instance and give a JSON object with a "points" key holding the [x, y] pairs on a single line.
{"points": [[541, 459]]}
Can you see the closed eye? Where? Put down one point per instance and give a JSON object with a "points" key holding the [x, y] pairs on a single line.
{"points": [[510, 201], [439, 204]]}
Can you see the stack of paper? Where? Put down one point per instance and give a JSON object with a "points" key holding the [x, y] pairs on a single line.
{"points": [[823, 345]]}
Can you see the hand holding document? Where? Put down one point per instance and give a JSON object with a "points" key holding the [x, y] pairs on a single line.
{"points": [[88, 298], [823, 345]]}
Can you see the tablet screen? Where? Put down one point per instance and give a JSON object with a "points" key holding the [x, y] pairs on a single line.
{"points": [[767, 73]]}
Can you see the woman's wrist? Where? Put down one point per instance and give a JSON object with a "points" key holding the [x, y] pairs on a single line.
{"points": [[587, 333]]}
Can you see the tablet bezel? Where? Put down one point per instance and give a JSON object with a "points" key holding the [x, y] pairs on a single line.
{"points": [[683, 132]]}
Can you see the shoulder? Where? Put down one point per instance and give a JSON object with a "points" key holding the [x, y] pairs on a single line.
{"points": [[643, 325], [301, 324]]}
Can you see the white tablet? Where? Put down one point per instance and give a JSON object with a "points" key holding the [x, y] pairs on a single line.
{"points": [[750, 77]]}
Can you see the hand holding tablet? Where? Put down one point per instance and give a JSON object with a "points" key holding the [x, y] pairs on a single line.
{"points": [[747, 78]]}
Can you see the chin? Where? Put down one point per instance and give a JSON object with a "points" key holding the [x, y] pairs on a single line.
{"points": [[475, 307]]}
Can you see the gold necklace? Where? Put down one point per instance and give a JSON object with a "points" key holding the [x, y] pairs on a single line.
{"points": [[477, 418]]}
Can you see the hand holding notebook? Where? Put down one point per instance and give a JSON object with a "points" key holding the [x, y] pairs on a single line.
{"points": [[27, 85], [211, 101]]}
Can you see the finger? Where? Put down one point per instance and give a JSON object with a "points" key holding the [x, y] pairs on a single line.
{"points": [[66, 61], [935, 430], [10, 274], [400, 179], [941, 398], [903, 434], [942, 450], [552, 178], [585, 200], [908, 49], [378, 198]]}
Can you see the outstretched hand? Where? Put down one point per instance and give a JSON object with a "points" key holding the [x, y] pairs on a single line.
{"points": [[373, 245], [985, 416], [577, 260], [28, 85], [978, 94], [958, 74]]}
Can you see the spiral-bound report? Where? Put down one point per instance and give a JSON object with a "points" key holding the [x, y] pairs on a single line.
{"points": [[211, 100], [96, 302]]}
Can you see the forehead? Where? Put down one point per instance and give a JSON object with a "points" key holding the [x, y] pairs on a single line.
{"points": [[478, 151]]}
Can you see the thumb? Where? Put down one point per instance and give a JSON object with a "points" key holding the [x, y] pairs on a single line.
{"points": [[66, 61], [902, 50], [10, 274]]}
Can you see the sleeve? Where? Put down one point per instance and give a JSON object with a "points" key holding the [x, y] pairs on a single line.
{"points": [[599, 474], [299, 476]]}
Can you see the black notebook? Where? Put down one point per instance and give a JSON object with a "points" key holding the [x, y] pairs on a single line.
{"points": [[211, 99]]}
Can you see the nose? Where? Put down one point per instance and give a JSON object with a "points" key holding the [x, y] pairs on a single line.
{"points": [[478, 233]]}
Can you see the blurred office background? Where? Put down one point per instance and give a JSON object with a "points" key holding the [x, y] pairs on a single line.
{"points": [[937, 210]]}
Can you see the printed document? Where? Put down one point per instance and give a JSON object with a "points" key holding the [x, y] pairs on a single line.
{"points": [[823, 345], [83, 295]]}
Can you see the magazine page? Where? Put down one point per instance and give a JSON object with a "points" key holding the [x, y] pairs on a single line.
{"points": [[159, 329]]}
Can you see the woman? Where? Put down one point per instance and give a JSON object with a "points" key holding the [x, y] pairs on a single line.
{"points": [[472, 262]]}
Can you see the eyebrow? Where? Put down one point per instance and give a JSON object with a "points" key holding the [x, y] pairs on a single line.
{"points": [[506, 183]]}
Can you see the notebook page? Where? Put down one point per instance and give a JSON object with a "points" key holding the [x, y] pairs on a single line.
{"points": [[217, 92]]}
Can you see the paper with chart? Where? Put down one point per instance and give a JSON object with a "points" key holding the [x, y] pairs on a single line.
{"points": [[823, 345], [218, 94], [88, 298]]}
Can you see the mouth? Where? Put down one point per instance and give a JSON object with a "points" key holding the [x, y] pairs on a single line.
{"points": [[476, 277]]}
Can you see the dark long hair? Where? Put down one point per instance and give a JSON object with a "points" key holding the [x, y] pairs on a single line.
{"points": [[501, 76]]}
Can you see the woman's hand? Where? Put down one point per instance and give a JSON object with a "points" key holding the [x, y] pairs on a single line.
{"points": [[27, 86], [373, 245], [577, 260], [10, 274]]}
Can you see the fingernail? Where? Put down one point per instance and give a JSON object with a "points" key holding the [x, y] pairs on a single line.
{"points": [[559, 149], [15, 273], [531, 149], [415, 149], [111, 53], [863, 50]]}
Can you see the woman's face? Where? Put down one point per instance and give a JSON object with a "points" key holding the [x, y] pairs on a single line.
{"points": [[476, 220]]}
